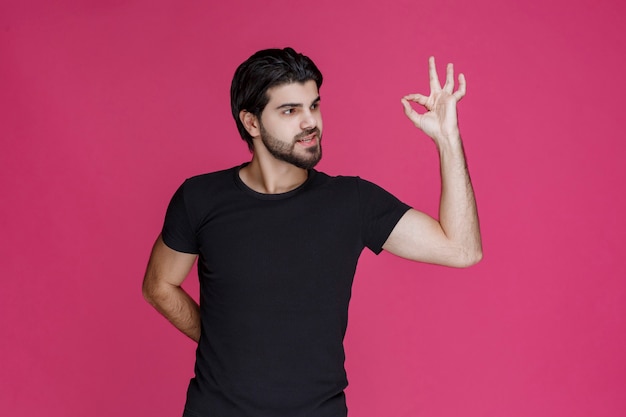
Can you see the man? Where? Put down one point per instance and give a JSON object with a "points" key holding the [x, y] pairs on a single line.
{"points": [[277, 244]]}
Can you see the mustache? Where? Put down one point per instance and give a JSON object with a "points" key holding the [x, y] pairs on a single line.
{"points": [[306, 133]]}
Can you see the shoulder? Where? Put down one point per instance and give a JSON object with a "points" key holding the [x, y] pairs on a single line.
{"points": [[346, 183], [196, 192], [211, 177], [201, 194], [322, 178], [338, 186], [212, 181]]}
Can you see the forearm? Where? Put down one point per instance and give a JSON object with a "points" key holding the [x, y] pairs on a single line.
{"points": [[454, 239], [176, 306], [458, 215]]}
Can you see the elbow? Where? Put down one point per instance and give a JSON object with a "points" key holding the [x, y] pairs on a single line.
{"points": [[470, 258], [463, 257], [157, 293], [475, 258], [149, 292]]}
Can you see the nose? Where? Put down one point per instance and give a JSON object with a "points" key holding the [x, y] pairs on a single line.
{"points": [[309, 121]]}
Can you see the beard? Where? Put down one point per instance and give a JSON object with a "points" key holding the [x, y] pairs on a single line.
{"points": [[285, 151]]}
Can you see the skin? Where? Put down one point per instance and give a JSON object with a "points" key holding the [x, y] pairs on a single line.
{"points": [[453, 240], [304, 149], [292, 109]]}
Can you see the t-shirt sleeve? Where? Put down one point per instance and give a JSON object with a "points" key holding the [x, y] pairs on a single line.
{"points": [[380, 211], [177, 233]]}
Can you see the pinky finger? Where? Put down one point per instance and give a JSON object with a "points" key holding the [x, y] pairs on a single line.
{"points": [[460, 93]]}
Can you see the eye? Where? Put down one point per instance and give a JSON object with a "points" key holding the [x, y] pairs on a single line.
{"points": [[290, 110], [315, 106]]}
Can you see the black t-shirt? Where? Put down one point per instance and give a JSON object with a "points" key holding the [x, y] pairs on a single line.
{"points": [[275, 274]]}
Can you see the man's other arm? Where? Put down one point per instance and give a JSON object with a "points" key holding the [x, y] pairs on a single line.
{"points": [[453, 240], [166, 271]]}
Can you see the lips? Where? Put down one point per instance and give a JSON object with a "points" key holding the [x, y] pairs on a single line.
{"points": [[308, 141], [308, 138]]}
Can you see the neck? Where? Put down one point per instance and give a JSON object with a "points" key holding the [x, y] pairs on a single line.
{"points": [[272, 176]]}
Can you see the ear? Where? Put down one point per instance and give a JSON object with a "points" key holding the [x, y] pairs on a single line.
{"points": [[250, 122]]}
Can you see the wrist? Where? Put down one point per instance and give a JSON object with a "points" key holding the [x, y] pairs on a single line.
{"points": [[449, 141]]}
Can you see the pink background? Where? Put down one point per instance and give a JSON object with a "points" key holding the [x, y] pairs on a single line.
{"points": [[106, 106]]}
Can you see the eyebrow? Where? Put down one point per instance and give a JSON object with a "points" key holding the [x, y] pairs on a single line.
{"points": [[282, 106]]}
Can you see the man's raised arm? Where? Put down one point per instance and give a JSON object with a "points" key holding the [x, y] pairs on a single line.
{"points": [[454, 240]]}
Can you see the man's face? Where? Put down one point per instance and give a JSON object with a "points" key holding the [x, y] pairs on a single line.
{"points": [[291, 124]]}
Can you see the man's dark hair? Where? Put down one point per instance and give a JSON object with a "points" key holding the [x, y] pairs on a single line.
{"points": [[263, 70]]}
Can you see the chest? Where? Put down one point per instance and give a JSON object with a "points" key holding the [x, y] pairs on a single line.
{"points": [[304, 249]]}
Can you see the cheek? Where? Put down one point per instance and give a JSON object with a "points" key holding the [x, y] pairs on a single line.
{"points": [[274, 127]]}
